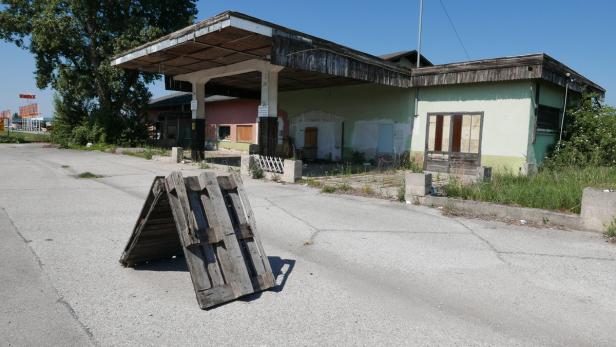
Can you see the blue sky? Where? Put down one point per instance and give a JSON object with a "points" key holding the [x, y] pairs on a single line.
{"points": [[579, 33]]}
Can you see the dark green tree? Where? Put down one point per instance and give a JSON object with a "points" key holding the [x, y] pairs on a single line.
{"points": [[73, 42]]}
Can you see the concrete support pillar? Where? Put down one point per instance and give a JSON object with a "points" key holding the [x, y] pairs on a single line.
{"points": [[197, 107], [177, 154], [268, 111]]}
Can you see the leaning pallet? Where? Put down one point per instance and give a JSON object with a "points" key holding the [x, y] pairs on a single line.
{"points": [[209, 219]]}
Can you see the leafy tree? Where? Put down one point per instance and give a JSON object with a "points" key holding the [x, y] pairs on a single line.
{"points": [[589, 136], [73, 42]]}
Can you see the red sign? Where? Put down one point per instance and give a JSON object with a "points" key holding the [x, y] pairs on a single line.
{"points": [[28, 111], [6, 114], [27, 96]]}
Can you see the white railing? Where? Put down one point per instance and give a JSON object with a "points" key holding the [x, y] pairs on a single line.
{"points": [[269, 164]]}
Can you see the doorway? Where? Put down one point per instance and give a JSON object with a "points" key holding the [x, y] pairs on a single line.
{"points": [[311, 137]]}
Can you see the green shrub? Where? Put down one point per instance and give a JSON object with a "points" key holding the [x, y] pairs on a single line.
{"points": [[589, 136], [256, 171]]}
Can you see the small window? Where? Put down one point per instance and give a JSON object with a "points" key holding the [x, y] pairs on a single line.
{"points": [[224, 133], [548, 118], [244, 133]]}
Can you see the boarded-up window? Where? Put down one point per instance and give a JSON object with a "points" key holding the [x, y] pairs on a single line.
{"points": [[244, 133], [438, 133], [454, 133]]}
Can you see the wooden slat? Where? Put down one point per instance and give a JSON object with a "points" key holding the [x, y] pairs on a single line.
{"points": [[195, 259], [261, 262], [229, 256]]}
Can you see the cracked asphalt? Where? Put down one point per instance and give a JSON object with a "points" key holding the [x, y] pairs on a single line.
{"points": [[350, 270]]}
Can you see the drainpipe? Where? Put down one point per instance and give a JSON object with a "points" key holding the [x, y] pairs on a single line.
{"points": [[562, 120]]}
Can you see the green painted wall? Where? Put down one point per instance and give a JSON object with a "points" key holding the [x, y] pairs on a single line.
{"points": [[364, 102], [552, 96]]}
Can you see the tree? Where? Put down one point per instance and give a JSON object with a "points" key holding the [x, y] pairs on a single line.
{"points": [[73, 42]]}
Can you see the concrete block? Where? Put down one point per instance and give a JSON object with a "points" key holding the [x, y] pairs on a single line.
{"points": [[598, 208], [177, 154], [245, 161], [417, 184], [484, 174], [292, 170]]}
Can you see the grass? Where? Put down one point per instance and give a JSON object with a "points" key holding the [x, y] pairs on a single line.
{"points": [[103, 147], [610, 232], [550, 189], [328, 189], [88, 174], [147, 153], [344, 187], [402, 194], [22, 137]]}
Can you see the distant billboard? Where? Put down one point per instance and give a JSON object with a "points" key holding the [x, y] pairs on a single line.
{"points": [[28, 111], [27, 96], [6, 114]]}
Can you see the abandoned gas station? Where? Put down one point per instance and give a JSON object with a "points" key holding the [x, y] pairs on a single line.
{"points": [[501, 112]]}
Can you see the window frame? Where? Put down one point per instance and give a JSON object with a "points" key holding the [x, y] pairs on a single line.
{"points": [[448, 151], [218, 127]]}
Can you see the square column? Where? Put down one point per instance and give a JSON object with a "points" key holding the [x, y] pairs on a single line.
{"points": [[197, 106], [268, 112]]}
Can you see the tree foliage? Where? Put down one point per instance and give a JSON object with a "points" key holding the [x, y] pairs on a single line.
{"points": [[589, 137], [73, 42]]}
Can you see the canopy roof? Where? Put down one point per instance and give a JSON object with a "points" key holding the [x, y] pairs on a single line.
{"points": [[311, 62]]}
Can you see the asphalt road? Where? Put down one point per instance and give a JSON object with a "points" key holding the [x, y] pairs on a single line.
{"points": [[351, 271]]}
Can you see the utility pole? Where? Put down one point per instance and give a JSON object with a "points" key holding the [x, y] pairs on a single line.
{"points": [[419, 33]]}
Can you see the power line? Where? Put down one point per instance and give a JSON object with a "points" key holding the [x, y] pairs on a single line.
{"points": [[454, 30]]}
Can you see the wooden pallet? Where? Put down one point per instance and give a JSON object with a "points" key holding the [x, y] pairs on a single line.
{"points": [[208, 218]]}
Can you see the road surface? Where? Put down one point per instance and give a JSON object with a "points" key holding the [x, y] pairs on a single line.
{"points": [[351, 270]]}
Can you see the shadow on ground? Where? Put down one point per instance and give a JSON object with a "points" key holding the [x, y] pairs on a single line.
{"points": [[281, 268]]}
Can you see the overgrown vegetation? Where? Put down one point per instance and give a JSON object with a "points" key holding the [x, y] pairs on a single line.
{"points": [[256, 171], [73, 43], [585, 158], [147, 153], [328, 189], [402, 194], [553, 189], [610, 232], [20, 137], [589, 137]]}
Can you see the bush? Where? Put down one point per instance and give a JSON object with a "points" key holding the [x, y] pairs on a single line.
{"points": [[256, 171], [589, 136]]}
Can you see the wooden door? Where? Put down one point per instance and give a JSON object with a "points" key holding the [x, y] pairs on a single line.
{"points": [[310, 143]]}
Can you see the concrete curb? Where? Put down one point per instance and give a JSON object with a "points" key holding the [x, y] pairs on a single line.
{"points": [[532, 216]]}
